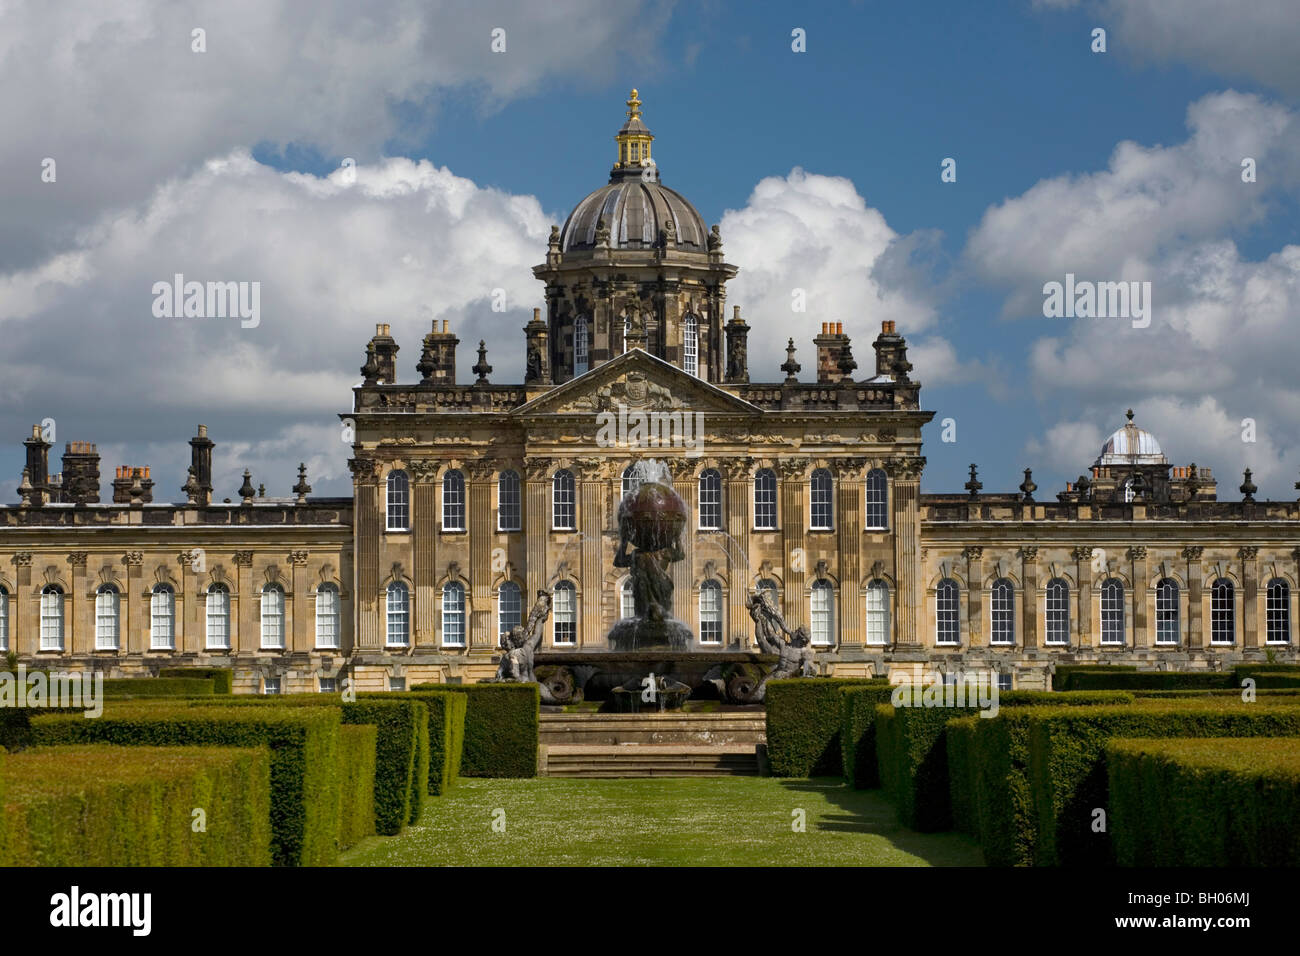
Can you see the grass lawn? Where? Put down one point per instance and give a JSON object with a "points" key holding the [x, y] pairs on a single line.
{"points": [[711, 821]]}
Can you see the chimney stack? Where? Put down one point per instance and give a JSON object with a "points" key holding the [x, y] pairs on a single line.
{"points": [[834, 359], [537, 361], [80, 473], [385, 354], [737, 349], [891, 353], [38, 466], [201, 465], [437, 365], [126, 477]]}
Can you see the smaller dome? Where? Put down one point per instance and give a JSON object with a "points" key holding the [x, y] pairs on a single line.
{"points": [[1132, 445]]}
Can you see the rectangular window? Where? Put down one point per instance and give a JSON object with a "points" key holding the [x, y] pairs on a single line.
{"points": [[508, 511], [821, 615], [1004, 681], [396, 684], [327, 617], [1112, 614], [1278, 612], [1003, 622], [329, 685], [710, 502], [51, 621], [710, 614], [1167, 613], [218, 613], [877, 615], [566, 620], [1058, 614], [271, 685], [765, 501], [162, 617]]}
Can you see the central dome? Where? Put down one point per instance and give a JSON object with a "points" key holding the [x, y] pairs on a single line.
{"points": [[635, 207], [1131, 445]]}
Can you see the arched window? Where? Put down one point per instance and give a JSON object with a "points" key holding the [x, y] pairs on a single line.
{"points": [[162, 618], [508, 513], [1278, 612], [1112, 611], [877, 488], [453, 614], [710, 613], [1002, 599], [1058, 612], [399, 501], [106, 618], [690, 344], [765, 500], [51, 618], [580, 360], [565, 612], [453, 501], [273, 616], [1167, 611], [509, 609], [710, 500], [822, 617], [563, 517], [327, 616], [1223, 621], [631, 480], [218, 617], [947, 626], [4, 619], [878, 613], [626, 604], [820, 489]]}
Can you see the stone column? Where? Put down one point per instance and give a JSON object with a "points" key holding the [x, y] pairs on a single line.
{"points": [[302, 638], [791, 472], [76, 612], [190, 638], [134, 626], [738, 476], [686, 606], [905, 482], [975, 596], [426, 521], [537, 525], [366, 543], [592, 481], [1195, 636], [1141, 596], [1250, 597], [483, 635], [1083, 574], [245, 611], [25, 623], [848, 525], [1029, 596]]}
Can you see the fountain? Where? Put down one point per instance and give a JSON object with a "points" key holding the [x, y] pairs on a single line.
{"points": [[653, 662]]}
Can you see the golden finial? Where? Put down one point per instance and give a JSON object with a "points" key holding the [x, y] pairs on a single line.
{"points": [[633, 106]]}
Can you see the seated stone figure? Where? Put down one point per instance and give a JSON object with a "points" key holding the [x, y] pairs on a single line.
{"points": [[794, 656], [521, 644]]}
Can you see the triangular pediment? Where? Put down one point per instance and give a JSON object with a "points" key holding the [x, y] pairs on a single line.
{"points": [[637, 381]]}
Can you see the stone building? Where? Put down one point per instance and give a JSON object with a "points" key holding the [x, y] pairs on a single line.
{"points": [[470, 496]]}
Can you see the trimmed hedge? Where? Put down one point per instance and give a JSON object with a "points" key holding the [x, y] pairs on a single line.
{"points": [[912, 752], [134, 806], [501, 728], [804, 716], [401, 751], [128, 687], [1204, 802], [1221, 693], [304, 747], [446, 732], [1111, 678], [357, 783], [1061, 674], [223, 678], [1068, 767], [858, 733]]}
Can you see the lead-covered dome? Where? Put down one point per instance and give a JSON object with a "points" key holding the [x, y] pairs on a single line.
{"points": [[1132, 445], [634, 206]]}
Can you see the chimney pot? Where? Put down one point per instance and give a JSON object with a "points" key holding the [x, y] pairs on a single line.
{"points": [[839, 328], [537, 317], [203, 431], [444, 326]]}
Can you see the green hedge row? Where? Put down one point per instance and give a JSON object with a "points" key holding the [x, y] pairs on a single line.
{"points": [[356, 783], [804, 717], [1111, 678], [1212, 693], [124, 687], [501, 728], [858, 732], [1068, 776], [1204, 802], [136, 806], [223, 678], [401, 750], [1061, 674], [446, 732], [912, 752], [304, 744]]}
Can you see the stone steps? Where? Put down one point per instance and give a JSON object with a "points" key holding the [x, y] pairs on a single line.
{"points": [[648, 760], [722, 729]]}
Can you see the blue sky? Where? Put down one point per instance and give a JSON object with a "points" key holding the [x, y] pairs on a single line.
{"points": [[883, 93]]}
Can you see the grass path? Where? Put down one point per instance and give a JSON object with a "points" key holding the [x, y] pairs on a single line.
{"points": [[713, 821]]}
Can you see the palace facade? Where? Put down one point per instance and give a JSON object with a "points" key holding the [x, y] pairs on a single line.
{"points": [[470, 496]]}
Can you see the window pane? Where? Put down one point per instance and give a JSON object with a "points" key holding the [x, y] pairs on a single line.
{"points": [[580, 347], [878, 613], [562, 501], [765, 499], [453, 616], [1167, 612], [51, 618], [627, 606], [877, 489], [1112, 612], [508, 515], [162, 619], [821, 613], [690, 344], [564, 612], [509, 609], [710, 500], [1003, 622], [821, 499], [106, 619], [327, 616], [1223, 625], [1058, 612], [218, 614], [399, 515], [4, 620], [947, 624], [711, 613], [453, 501], [1279, 612], [272, 617]]}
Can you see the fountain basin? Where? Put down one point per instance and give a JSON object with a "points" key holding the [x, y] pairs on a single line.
{"points": [[574, 676]]}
